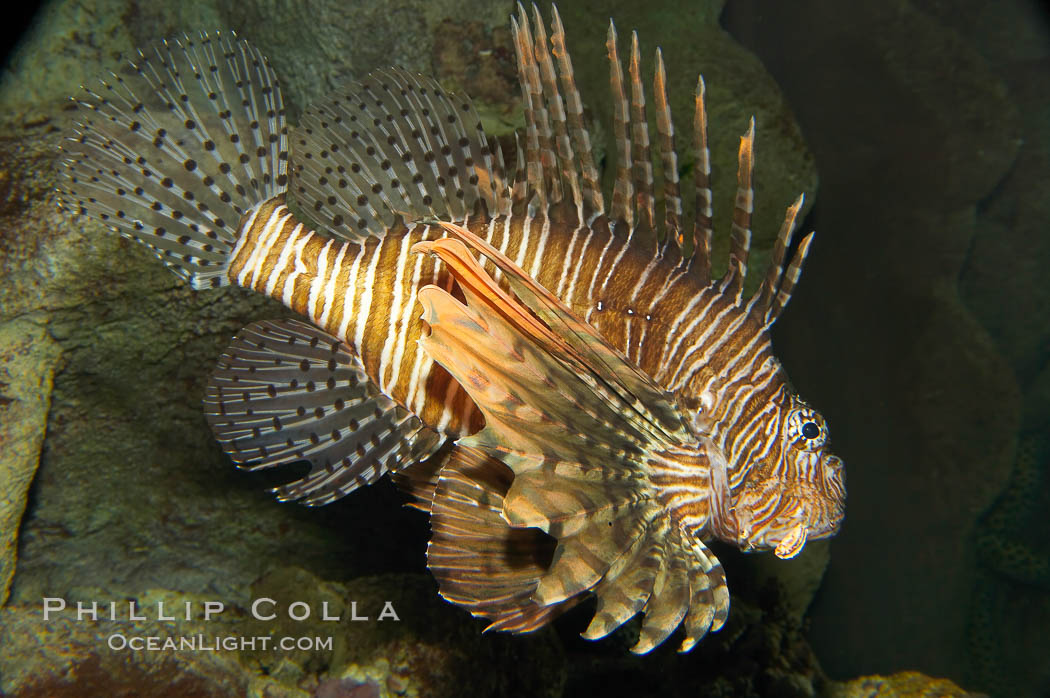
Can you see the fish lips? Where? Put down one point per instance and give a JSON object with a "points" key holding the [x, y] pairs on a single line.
{"points": [[784, 521]]}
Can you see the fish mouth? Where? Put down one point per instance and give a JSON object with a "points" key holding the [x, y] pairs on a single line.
{"points": [[785, 521]]}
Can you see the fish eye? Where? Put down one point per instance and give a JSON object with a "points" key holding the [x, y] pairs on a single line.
{"points": [[806, 428]]}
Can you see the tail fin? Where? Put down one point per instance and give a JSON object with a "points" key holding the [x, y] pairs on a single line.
{"points": [[173, 150]]}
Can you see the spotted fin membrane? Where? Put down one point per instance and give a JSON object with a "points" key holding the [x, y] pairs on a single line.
{"points": [[394, 145], [287, 391], [174, 149]]}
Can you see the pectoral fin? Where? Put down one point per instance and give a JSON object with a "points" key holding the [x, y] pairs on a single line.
{"points": [[539, 315], [480, 562], [286, 391], [582, 431]]}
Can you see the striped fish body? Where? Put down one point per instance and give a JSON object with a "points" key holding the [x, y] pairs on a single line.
{"points": [[364, 293], [596, 384]]}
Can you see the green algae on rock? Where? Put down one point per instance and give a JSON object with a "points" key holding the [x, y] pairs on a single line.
{"points": [[27, 363]]}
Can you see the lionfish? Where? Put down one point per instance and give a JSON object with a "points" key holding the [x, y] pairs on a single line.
{"points": [[597, 405]]}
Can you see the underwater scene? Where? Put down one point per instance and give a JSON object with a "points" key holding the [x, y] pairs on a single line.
{"points": [[356, 349]]}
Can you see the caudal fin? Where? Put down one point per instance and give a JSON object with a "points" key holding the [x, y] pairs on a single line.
{"points": [[175, 148]]}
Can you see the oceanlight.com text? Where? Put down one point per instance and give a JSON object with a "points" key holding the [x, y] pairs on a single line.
{"points": [[120, 642]]}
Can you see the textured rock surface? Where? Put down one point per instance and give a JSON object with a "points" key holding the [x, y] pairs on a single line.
{"points": [[113, 498], [1005, 284], [319, 45], [27, 364], [426, 651], [400, 645], [66, 657], [906, 684], [315, 45], [1010, 607]]}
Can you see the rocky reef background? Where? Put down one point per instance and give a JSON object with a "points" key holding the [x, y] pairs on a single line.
{"points": [[920, 329]]}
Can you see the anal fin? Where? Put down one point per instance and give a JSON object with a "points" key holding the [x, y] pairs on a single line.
{"points": [[286, 391]]}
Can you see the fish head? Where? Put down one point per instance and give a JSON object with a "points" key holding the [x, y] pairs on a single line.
{"points": [[796, 492]]}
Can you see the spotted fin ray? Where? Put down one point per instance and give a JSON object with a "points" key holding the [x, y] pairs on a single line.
{"points": [[175, 148], [286, 391], [563, 414], [395, 144]]}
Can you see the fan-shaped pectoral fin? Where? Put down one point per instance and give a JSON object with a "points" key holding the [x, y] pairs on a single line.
{"points": [[669, 576], [584, 432], [265, 411]]}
